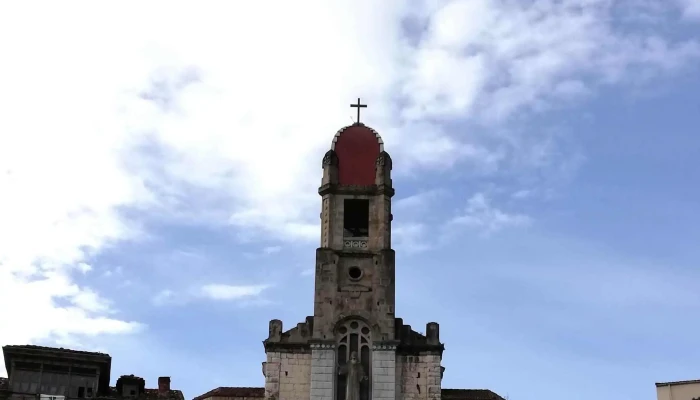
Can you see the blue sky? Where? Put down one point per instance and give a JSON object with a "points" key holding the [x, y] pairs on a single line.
{"points": [[159, 165]]}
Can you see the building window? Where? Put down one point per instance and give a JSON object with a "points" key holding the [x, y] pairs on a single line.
{"points": [[355, 273], [355, 218], [81, 392], [89, 392], [354, 336]]}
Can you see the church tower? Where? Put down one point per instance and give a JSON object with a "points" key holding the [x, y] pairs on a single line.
{"points": [[354, 296]]}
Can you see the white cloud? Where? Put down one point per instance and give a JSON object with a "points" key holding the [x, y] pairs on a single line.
{"points": [[216, 291], [307, 272], [411, 232], [250, 294], [40, 317], [417, 202], [691, 8], [482, 215], [272, 249], [227, 120], [411, 237], [522, 194], [84, 268], [532, 51], [164, 297], [266, 251]]}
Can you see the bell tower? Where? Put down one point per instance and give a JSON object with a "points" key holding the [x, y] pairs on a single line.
{"points": [[354, 347], [355, 263], [355, 282]]}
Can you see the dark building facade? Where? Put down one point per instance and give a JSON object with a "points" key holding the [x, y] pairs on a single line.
{"points": [[36, 370], [46, 373]]}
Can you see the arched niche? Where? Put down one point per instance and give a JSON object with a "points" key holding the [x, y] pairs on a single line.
{"points": [[354, 334]]}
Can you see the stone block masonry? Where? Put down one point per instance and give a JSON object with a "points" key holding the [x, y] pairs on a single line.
{"points": [[287, 376], [322, 372], [272, 375], [420, 377], [384, 372]]}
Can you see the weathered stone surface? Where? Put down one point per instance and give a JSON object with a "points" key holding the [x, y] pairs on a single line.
{"points": [[322, 373], [354, 293], [384, 373]]}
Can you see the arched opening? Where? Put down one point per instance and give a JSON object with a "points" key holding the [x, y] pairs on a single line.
{"points": [[354, 336]]}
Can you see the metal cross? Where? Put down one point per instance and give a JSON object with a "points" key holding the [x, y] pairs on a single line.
{"points": [[358, 106]]}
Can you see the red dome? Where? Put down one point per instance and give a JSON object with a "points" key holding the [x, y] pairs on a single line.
{"points": [[357, 147]]}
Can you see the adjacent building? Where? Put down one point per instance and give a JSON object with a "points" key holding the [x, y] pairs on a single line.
{"points": [[47, 373], [679, 390], [36, 370]]}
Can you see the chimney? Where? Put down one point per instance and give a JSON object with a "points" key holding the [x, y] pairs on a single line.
{"points": [[163, 385]]}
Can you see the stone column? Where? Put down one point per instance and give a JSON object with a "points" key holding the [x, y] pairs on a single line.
{"points": [[322, 371], [384, 371]]}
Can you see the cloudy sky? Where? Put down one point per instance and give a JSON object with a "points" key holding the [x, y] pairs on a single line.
{"points": [[159, 163]]}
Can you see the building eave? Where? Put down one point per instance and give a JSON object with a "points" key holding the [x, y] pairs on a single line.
{"points": [[690, 382]]}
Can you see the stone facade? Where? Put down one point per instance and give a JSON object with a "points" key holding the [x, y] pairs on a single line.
{"points": [[287, 375], [354, 294], [419, 377], [322, 372], [384, 385]]}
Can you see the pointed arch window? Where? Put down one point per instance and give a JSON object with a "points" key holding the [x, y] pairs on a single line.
{"points": [[352, 336]]}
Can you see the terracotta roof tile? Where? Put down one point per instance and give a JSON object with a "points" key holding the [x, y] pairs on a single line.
{"points": [[225, 391], [469, 394], [149, 394]]}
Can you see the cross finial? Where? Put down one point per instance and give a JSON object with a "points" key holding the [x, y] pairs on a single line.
{"points": [[358, 106]]}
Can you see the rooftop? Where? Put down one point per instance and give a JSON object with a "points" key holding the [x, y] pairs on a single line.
{"points": [[447, 394], [469, 394], [357, 147], [53, 349], [677, 383], [226, 391], [151, 394]]}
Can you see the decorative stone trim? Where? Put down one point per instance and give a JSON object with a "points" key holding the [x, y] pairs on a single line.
{"points": [[383, 346], [323, 346], [330, 158], [285, 347], [420, 349], [356, 244], [379, 138], [371, 190], [384, 159]]}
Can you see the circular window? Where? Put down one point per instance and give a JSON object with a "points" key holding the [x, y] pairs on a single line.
{"points": [[365, 330], [354, 273], [354, 325]]}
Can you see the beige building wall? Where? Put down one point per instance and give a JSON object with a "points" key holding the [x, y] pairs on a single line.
{"points": [[681, 390], [287, 376], [419, 377], [231, 398]]}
